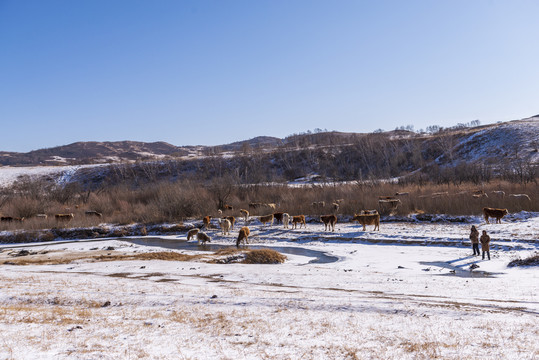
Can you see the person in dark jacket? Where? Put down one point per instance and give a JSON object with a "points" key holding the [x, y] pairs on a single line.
{"points": [[474, 238], [485, 244]]}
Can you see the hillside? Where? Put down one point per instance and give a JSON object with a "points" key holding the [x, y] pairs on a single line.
{"points": [[471, 153]]}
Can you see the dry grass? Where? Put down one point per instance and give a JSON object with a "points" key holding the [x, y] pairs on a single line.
{"points": [[171, 203], [264, 256]]}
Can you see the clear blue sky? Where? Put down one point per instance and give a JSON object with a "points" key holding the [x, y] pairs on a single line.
{"points": [[213, 72]]}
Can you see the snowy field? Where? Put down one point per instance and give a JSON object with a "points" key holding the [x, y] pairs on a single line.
{"points": [[405, 292]]}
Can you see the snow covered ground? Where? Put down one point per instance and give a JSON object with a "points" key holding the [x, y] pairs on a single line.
{"points": [[405, 292]]}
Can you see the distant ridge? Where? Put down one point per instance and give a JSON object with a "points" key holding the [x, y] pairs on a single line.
{"points": [[486, 143]]}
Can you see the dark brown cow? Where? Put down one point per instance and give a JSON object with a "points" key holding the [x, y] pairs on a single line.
{"points": [[243, 235], [278, 216], [11, 219], [227, 207], [495, 213], [368, 219], [298, 219], [329, 222], [64, 217]]}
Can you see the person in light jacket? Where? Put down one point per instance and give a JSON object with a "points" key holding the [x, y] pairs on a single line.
{"points": [[474, 238], [485, 244]]}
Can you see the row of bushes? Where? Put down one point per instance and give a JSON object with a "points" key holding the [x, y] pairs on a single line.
{"points": [[173, 202]]}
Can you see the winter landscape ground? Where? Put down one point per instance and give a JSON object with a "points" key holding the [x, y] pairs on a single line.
{"points": [[405, 292]]}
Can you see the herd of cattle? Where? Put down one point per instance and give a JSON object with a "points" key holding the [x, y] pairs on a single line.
{"points": [[59, 217], [364, 218]]}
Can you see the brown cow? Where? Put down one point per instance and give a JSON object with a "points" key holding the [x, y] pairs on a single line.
{"points": [[232, 220], [254, 205], [64, 217], [318, 204], [266, 219], [298, 219], [206, 221], [11, 219], [329, 222], [368, 219], [245, 214], [93, 213], [192, 233], [495, 213], [243, 235], [227, 207]]}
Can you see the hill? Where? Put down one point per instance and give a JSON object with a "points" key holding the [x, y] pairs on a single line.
{"points": [[471, 153]]}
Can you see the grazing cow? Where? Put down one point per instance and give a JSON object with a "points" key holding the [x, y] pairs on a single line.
{"points": [[225, 226], [243, 235], [286, 220], [227, 207], [278, 216], [11, 219], [202, 237], [93, 213], [368, 219], [245, 214], [329, 222], [64, 217], [266, 219], [499, 193], [206, 221], [495, 213], [298, 219], [192, 233], [521, 196]]}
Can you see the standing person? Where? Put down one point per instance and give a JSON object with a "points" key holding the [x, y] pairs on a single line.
{"points": [[474, 237], [485, 244]]}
